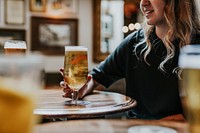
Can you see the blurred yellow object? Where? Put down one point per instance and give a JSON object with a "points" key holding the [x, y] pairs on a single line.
{"points": [[16, 112]]}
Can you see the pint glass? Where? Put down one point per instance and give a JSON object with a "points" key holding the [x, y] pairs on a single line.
{"points": [[75, 69], [189, 62], [20, 79]]}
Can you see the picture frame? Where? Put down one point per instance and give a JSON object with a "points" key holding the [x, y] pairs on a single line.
{"points": [[15, 12], [50, 35], [107, 25], [38, 5], [11, 34], [62, 7]]}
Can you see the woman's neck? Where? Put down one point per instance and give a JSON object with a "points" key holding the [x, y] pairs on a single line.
{"points": [[161, 31]]}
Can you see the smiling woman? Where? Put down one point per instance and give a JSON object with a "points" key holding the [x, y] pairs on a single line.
{"points": [[148, 58]]}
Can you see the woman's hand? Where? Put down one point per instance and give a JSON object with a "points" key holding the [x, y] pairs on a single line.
{"points": [[68, 91]]}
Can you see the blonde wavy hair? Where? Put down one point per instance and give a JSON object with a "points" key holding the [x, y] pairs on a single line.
{"points": [[182, 19]]}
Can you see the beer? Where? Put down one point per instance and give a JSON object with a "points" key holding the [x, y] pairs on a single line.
{"points": [[12, 50], [14, 47], [189, 61], [191, 101], [75, 66]]}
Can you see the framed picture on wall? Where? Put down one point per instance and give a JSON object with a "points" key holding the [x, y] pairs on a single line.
{"points": [[38, 5], [51, 35], [14, 11], [62, 7]]}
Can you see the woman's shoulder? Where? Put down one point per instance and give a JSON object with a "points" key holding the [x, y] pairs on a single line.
{"points": [[133, 38], [138, 34], [129, 41]]}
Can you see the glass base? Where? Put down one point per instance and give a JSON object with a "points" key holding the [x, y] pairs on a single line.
{"points": [[78, 102]]}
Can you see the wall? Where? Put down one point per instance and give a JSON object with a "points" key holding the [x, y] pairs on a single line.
{"points": [[85, 27], [84, 36], [84, 16]]}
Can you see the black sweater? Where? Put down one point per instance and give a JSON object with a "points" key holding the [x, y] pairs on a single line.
{"points": [[155, 91]]}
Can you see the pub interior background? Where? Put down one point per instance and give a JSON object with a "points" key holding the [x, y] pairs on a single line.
{"points": [[48, 25]]}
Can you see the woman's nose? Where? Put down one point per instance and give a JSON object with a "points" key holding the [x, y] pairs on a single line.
{"points": [[144, 2]]}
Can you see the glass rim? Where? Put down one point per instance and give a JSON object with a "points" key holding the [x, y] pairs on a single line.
{"points": [[15, 44], [189, 56], [76, 48], [192, 48]]}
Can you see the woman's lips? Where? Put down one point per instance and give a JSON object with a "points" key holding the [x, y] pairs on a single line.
{"points": [[147, 13]]}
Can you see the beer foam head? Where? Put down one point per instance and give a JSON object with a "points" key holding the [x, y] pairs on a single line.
{"points": [[190, 56], [14, 44], [76, 48]]}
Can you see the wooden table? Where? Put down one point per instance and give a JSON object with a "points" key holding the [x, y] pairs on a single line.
{"points": [[52, 105], [105, 126]]}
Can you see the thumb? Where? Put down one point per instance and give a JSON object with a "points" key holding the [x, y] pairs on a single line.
{"points": [[89, 77]]}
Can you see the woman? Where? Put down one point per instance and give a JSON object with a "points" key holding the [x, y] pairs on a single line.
{"points": [[148, 58]]}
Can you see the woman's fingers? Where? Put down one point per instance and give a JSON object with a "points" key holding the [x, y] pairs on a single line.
{"points": [[67, 95], [89, 78], [65, 87], [63, 84], [61, 71], [67, 90]]}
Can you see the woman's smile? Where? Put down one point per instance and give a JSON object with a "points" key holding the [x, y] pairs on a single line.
{"points": [[147, 12], [153, 11]]}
